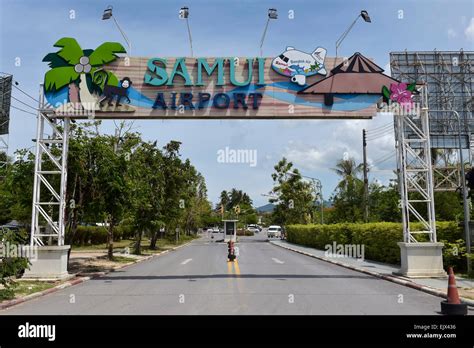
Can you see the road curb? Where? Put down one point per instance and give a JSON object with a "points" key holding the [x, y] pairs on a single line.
{"points": [[79, 280], [393, 279]]}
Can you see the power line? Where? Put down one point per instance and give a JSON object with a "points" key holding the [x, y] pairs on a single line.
{"points": [[378, 136], [375, 136], [22, 91], [31, 113], [381, 135], [18, 100], [384, 158], [382, 126], [381, 130]]}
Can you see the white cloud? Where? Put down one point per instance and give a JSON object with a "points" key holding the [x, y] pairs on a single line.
{"points": [[346, 140], [316, 158], [451, 33], [387, 69], [469, 32]]}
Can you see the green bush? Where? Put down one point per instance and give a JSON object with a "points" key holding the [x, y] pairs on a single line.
{"points": [[241, 232], [379, 239], [93, 235], [125, 232], [11, 266]]}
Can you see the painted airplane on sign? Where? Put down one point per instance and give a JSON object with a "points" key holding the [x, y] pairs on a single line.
{"points": [[298, 65]]}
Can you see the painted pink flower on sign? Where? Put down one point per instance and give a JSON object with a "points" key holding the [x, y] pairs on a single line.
{"points": [[400, 94]]}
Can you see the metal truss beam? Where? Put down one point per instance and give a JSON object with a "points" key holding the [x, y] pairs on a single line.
{"points": [[50, 179], [415, 173]]}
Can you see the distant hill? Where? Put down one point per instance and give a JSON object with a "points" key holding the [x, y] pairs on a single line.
{"points": [[267, 208]]}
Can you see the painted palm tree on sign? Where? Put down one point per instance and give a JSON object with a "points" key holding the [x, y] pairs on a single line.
{"points": [[81, 70]]}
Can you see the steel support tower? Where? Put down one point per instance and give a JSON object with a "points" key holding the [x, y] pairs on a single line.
{"points": [[50, 178], [415, 174]]}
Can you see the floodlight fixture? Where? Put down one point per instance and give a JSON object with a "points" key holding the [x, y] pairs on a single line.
{"points": [[107, 13], [365, 16], [272, 13]]}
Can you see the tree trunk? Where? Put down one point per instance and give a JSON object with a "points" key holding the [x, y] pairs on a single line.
{"points": [[88, 101], [153, 239], [73, 96], [138, 242], [110, 240]]}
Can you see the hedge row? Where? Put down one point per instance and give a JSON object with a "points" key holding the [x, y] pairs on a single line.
{"points": [[92, 235], [242, 232], [379, 239]]}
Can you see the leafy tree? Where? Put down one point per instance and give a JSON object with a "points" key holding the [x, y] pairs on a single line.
{"points": [[383, 202], [293, 197], [234, 198], [448, 206], [16, 188], [147, 183]]}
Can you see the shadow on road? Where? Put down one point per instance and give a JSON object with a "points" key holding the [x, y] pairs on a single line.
{"points": [[219, 276]]}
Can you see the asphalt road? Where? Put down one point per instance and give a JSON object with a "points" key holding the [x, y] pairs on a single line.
{"points": [[266, 279]]}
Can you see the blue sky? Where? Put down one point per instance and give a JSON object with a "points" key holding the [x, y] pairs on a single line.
{"points": [[28, 30]]}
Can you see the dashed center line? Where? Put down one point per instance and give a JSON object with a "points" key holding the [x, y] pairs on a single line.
{"points": [[277, 261], [186, 261]]}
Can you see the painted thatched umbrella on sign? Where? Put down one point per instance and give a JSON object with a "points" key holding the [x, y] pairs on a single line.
{"points": [[357, 75]]}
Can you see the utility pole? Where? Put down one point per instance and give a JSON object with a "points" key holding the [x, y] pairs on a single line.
{"points": [[366, 180]]}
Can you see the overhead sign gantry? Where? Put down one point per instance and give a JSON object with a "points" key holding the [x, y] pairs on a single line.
{"points": [[102, 84]]}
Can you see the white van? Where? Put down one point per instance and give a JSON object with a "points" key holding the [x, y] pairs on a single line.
{"points": [[274, 231]]}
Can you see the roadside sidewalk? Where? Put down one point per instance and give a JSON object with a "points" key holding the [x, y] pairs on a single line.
{"points": [[434, 286]]}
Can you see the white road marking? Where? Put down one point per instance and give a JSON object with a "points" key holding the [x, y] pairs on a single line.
{"points": [[277, 261], [186, 261]]}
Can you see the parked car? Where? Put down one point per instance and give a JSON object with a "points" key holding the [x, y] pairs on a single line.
{"points": [[254, 228], [274, 231]]}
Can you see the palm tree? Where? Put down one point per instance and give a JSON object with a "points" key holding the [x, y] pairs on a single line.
{"points": [[224, 199], [349, 171], [81, 70]]}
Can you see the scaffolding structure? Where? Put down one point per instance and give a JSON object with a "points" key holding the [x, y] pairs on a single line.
{"points": [[50, 178], [5, 101], [415, 172], [449, 82]]}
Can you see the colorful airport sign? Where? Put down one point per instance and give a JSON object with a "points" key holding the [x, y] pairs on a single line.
{"points": [[112, 86]]}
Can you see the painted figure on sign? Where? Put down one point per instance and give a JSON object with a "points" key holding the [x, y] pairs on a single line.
{"points": [[298, 65], [121, 91]]}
